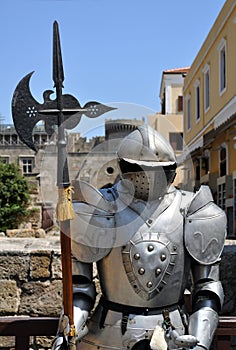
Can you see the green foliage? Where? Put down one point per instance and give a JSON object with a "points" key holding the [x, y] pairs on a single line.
{"points": [[14, 196]]}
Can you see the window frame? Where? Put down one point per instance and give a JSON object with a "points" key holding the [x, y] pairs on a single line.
{"points": [[221, 161], [180, 103], [222, 66], [197, 101], [188, 112], [22, 165], [5, 159], [206, 161], [207, 74]]}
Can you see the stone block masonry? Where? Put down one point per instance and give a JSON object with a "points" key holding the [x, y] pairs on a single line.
{"points": [[30, 282]]}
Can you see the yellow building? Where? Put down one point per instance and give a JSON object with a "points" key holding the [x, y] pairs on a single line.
{"points": [[210, 114], [169, 122]]}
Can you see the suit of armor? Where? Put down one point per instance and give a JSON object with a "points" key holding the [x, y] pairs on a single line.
{"points": [[150, 242]]}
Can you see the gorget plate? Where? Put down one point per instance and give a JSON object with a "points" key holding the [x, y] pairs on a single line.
{"points": [[149, 263]]}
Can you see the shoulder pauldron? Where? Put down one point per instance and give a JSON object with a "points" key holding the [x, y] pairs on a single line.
{"points": [[205, 228], [92, 229]]}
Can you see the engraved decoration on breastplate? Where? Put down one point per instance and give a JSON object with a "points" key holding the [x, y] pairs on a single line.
{"points": [[149, 262]]}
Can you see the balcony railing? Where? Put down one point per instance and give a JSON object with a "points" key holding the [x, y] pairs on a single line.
{"points": [[24, 327]]}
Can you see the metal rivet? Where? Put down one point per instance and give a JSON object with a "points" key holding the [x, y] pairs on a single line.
{"points": [[149, 221], [141, 271], [163, 257], [150, 248], [158, 271], [136, 256], [149, 284]]}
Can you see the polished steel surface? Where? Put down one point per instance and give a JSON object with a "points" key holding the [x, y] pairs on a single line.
{"points": [[146, 249]]}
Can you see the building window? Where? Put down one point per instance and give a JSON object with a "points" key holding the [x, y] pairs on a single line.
{"points": [[223, 160], [222, 65], [221, 195], [176, 140], [5, 159], [197, 100], [224, 190], [180, 103], [197, 169], [188, 109], [27, 164], [163, 104], [206, 162], [206, 72]]}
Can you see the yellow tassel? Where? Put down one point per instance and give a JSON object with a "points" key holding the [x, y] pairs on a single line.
{"points": [[72, 332], [64, 210]]}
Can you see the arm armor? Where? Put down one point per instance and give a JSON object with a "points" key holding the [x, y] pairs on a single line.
{"points": [[205, 231], [84, 291], [208, 291], [208, 298], [84, 295]]}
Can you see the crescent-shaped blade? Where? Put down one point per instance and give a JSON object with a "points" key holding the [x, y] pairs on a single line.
{"points": [[25, 111]]}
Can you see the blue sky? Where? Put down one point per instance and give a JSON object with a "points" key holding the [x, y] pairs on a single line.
{"points": [[113, 50]]}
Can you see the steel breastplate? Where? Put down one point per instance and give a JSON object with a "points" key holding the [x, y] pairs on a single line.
{"points": [[150, 268]]}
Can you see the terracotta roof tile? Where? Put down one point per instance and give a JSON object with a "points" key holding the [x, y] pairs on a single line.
{"points": [[177, 70]]}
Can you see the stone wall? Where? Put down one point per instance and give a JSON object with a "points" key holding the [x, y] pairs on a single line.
{"points": [[228, 278], [30, 281]]}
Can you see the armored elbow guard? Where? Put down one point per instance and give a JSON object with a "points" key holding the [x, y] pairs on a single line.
{"points": [[208, 294], [84, 296], [84, 291]]}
